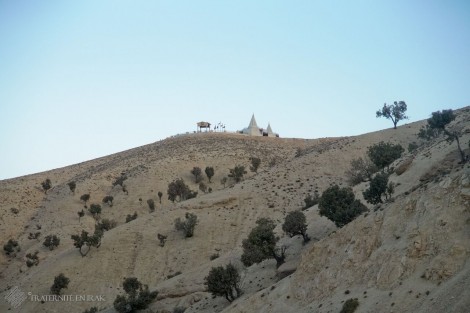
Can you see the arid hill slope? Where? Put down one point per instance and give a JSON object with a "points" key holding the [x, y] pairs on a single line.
{"points": [[404, 256]]}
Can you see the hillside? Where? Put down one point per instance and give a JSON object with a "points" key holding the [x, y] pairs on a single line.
{"points": [[409, 255]]}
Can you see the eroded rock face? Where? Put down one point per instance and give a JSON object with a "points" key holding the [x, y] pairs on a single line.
{"points": [[422, 238]]}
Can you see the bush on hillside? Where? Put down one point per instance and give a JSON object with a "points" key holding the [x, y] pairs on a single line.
{"points": [[60, 282], [261, 244], [197, 172], [340, 205], [51, 242], [137, 297], [224, 282], [209, 172], [46, 185], [361, 170], [237, 173], [377, 188], [255, 163], [11, 247], [295, 224], [383, 154], [188, 225]]}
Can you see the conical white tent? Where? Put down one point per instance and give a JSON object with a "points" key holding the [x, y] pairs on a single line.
{"points": [[252, 129], [270, 131]]}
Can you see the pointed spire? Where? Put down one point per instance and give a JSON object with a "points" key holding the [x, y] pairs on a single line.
{"points": [[253, 122]]}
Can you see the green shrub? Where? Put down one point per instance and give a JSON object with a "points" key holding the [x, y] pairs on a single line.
{"points": [[151, 205], [311, 201], [412, 146], [130, 218], [377, 188], [46, 185], [224, 282], [255, 163], [84, 240], [261, 244], [108, 200], [188, 225], [137, 297], [350, 306], [106, 224], [361, 170], [237, 173], [295, 223], [178, 189], [51, 242], [197, 172], [32, 259], [95, 210], [209, 172], [85, 198], [383, 154], [11, 247], [60, 282], [72, 185], [339, 205]]}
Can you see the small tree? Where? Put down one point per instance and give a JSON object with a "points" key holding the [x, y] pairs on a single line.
{"points": [[394, 112], [188, 225], [108, 200], [60, 282], [95, 210], [84, 240], [197, 172], [427, 133], [106, 224], [224, 282], [377, 188], [72, 185], [261, 244], [361, 170], [339, 205], [85, 198], [32, 259], [383, 154], [162, 239], [202, 187], [137, 297], [311, 201], [120, 181], [51, 242], [93, 309], [11, 247], [46, 185], [209, 172], [223, 181], [178, 189], [160, 195], [255, 163], [151, 205], [237, 173], [439, 122], [130, 218], [80, 214], [295, 223], [34, 235]]}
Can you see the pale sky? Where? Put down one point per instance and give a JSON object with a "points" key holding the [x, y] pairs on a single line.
{"points": [[84, 79]]}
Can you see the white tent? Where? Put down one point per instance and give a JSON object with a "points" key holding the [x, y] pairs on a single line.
{"points": [[252, 129], [270, 131]]}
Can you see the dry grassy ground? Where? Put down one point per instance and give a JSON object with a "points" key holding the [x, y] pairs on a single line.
{"points": [[406, 256]]}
